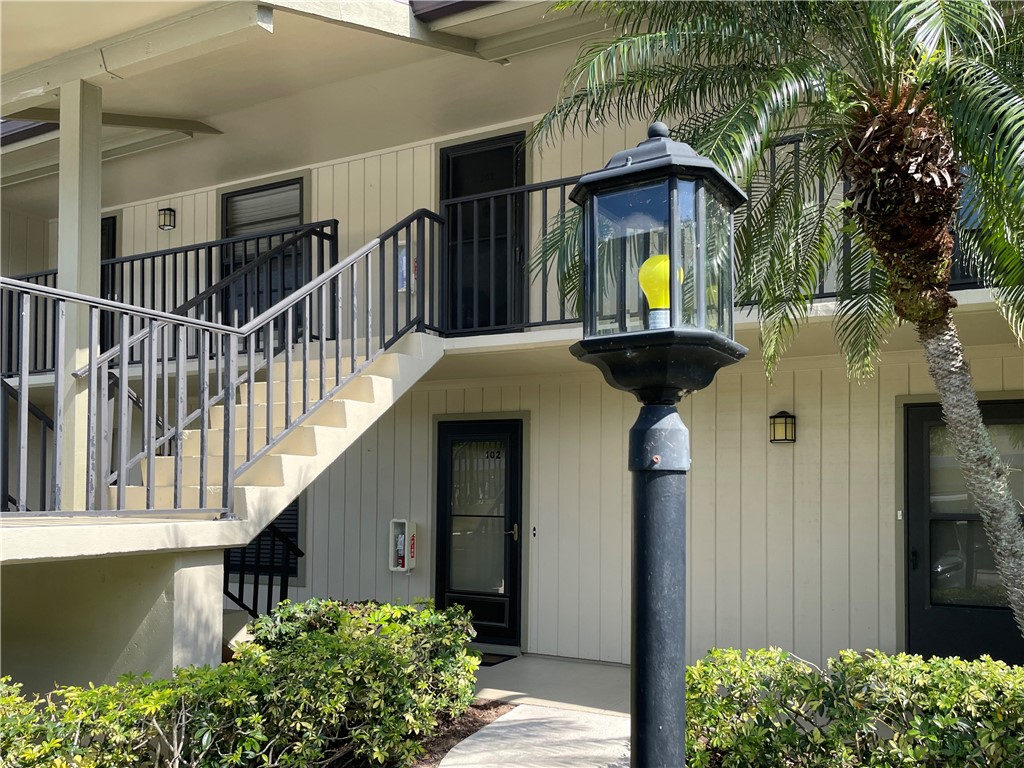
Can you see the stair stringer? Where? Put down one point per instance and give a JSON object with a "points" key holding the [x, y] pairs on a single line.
{"points": [[276, 478], [260, 504]]}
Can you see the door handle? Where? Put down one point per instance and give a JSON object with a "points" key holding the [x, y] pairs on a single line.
{"points": [[514, 532], [913, 558]]}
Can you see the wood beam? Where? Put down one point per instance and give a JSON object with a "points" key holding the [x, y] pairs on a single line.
{"points": [[154, 122]]}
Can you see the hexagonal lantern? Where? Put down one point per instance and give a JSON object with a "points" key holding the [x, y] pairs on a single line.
{"points": [[657, 286]]}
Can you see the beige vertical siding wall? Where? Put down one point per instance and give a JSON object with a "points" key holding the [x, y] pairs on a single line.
{"points": [[24, 243], [196, 223], [789, 545], [366, 193]]}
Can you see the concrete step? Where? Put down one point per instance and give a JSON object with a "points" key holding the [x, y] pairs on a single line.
{"points": [[330, 369], [365, 387], [163, 497], [269, 471]]}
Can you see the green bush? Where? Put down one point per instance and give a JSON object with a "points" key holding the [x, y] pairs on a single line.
{"points": [[769, 708], [323, 682]]}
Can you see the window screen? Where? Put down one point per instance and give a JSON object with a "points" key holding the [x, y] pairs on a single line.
{"points": [[263, 209]]}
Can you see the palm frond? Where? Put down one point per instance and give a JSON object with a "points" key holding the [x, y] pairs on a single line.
{"points": [[990, 236], [942, 27], [864, 313], [635, 77], [560, 253], [787, 241], [983, 104], [736, 139], [720, 54]]}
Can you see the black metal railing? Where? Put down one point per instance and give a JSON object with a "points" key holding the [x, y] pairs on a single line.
{"points": [[224, 281], [27, 475], [263, 569], [486, 280]]}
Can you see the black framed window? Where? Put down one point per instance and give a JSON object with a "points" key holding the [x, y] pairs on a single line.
{"points": [[262, 208]]}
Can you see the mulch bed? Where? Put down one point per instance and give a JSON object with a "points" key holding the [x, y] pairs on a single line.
{"points": [[449, 734]]}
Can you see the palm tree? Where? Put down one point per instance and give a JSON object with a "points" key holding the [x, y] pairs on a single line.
{"points": [[910, 121]]}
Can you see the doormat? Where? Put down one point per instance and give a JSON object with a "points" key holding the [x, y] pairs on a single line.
{"points": [[493, 659]]}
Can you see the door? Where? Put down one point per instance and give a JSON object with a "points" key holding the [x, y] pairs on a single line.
{"points": [[479, 502], [485, 259], [955, 602]]}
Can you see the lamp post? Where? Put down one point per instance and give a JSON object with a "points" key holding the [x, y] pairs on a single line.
{"points": [[658, 322]]}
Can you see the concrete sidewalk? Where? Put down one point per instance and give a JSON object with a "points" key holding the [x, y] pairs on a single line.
{"points": [[571, 714], [533, 736]]}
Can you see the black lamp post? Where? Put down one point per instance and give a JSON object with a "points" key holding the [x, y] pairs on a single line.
{"points": [[658, 322]]}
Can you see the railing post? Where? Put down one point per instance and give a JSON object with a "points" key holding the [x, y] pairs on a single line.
{"points": [[419, 274], [23, 406], [229, 428], [60, 320]]}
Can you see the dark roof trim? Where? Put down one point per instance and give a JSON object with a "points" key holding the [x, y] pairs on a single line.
{"points": [[12, 131], [428, 10]]}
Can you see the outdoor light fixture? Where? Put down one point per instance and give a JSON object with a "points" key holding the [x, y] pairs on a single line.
{"points": [[166, 218], [658, 322], [782, 427]]}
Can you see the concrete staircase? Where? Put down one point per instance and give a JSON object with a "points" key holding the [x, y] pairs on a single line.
{"points": [[274, 480]]}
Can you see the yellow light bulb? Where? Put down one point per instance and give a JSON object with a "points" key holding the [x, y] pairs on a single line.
{"points": [[654, 281], [655, 284]]}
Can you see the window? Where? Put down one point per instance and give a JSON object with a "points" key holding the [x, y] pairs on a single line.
{"points": [[262, 209], [259, 555]]}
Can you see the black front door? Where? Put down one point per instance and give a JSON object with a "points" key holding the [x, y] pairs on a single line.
{"points": [[484, 251], [479, 503], [955, 602]]}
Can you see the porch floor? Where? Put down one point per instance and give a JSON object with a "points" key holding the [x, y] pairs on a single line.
{"points": [[554, 682]]}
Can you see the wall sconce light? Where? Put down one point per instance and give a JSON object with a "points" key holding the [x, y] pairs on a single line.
{"points": [[166, 218], [782, 427]]}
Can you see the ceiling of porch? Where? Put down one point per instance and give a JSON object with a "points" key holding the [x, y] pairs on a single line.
{"points": [[309, 91]]}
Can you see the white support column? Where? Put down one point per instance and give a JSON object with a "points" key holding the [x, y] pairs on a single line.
{"points": [[78, 264], [198, 596]]}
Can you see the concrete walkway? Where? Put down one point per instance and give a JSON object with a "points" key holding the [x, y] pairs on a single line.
{"points": [[571, 714], [532, 736]]}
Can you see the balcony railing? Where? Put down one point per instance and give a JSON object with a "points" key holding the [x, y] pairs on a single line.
{"points": [[488, 283], [482, 275], [225, 281]]}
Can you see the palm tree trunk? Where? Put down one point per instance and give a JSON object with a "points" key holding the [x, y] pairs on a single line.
{"points": [[984, 472]]}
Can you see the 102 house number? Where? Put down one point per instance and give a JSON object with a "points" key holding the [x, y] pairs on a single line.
{"points": [[492, 455]]}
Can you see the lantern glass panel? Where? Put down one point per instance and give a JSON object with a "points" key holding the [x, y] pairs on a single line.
{"points": [[632, 226], [718, 264], [684, 288]]}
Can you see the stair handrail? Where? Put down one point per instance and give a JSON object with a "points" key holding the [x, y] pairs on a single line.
{"points": [[295, 297], [317, 288], [384, 263], [315, 229]]}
